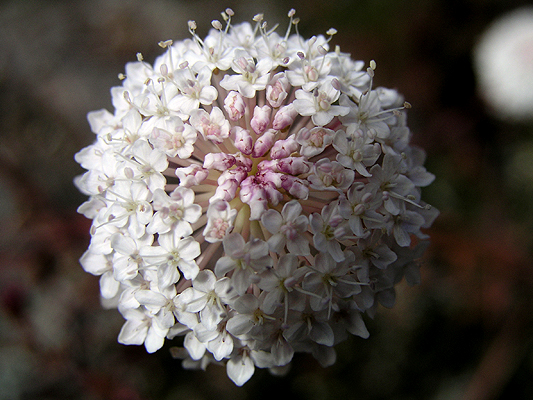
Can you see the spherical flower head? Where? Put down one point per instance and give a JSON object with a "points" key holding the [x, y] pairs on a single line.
{"points": [[253, 193]]}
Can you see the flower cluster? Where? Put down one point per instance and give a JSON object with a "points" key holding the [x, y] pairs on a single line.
{"points": [[253, 194]]}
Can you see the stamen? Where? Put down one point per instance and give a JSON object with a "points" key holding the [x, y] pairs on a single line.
{"points": [[216, 24]]}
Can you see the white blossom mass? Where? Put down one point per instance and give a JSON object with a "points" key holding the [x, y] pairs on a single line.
{"points": [[252, 195]]}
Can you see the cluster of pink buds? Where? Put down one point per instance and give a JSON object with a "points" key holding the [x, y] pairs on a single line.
{"points": [[252, 196]]}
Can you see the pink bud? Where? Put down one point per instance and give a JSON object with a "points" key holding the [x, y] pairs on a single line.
{"points": [[225, 191], [264, 143], [295, 186], [243, 162], [219, 161], [293, 165], [261, 119], [234, 105], [266, 165], [276, 91], [284, 117], [273, 194], [243, 141], [284, 148], [273, 178], [237, 174]]}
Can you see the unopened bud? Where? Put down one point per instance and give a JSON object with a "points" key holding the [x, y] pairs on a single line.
{"points": [[261, 119]]}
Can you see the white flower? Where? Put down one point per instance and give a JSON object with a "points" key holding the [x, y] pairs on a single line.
{"points": [[207, 297], [127, 260], [356, 153], [329, 228], [287, 229], [212, 126], [141, 328], [330, 175], [240, 368], [173, 138], [176, 211], [130, 207], [279, 284], [244, 259], [220, 219], [503, 64], [318, 104], [250, 77], [253, 193], [194, 90], [174, 251], [101, 264], [314, 140]]}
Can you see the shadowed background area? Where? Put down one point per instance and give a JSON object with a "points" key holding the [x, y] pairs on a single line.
{"points": [[464, 333]]}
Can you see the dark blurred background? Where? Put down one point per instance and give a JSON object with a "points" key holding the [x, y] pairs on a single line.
{"points": [[464, 333]]}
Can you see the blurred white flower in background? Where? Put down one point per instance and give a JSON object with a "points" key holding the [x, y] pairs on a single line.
{"points": [[503, 61]]}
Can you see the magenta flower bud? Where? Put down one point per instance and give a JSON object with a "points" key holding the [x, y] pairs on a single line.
{"points": [[261, 119], [265, 165], [247, 186], [284, 148], [272, 177], [237, 174], [273, 194], [264, 143], [284, 117], [243, 140], [293, 165], [219, 161], [295, 186], [234, 105], [258, 206], [276, 91], [225, 191], [243, 162]]}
